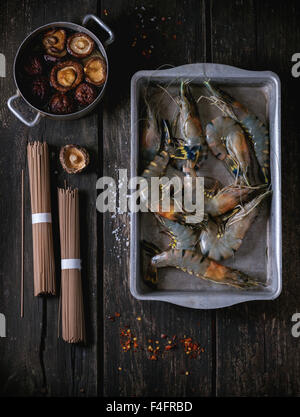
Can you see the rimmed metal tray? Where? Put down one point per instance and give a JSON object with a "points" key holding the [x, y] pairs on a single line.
{"points": [[260, 253]]}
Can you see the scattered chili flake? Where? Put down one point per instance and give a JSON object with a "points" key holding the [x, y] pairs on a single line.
{"points": [[191, 348], [117, 314], [168, 347], [128, 340], [174, 36]]}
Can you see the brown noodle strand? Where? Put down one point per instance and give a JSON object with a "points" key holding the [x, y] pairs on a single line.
{"points": [[72, 313], [43, 255]]}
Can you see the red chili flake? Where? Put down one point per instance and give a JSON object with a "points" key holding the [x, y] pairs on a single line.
{"points": [[179, 22], [174, 36], [168, 347], [153, 358], [117, 314], [128, 340], [191, 348]]}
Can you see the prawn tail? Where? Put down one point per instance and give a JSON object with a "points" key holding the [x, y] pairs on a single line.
{"points": [[232, 166], [232, 277]]}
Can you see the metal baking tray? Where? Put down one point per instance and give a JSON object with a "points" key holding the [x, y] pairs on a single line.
{"points": [[260, 253]]}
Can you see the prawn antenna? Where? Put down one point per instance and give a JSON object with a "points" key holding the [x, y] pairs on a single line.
{"points": [[167, 92]]}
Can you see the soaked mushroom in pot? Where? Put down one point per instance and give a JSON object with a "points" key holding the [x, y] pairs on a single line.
{"points": [[54, 42], [33, 65], [80, 45], [85, 94], [95, 71], [40, 89], [73, 158], [66, 75], [61, 104]]}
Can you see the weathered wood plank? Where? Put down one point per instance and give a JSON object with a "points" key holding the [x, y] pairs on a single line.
{"points": [[256, 353], [34, 361], [146, 25]]}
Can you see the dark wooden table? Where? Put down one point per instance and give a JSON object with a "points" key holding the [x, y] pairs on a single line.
{"points": [[248, 349]]}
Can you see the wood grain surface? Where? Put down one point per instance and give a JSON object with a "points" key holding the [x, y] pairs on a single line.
{"points": [[248, 349]]}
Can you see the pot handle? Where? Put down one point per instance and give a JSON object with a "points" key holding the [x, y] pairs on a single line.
{"points": [[11, 107], [111, 36]]}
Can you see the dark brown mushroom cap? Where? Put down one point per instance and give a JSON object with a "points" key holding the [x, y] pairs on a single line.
{"points": [[80, 45], [85, 94], [73, 158], [39, 89], [54, 42], [66, 75], [33, 65], [61, 104], [95, 71]]}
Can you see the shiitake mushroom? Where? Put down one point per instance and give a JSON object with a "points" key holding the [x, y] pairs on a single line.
{"points": [[66, 75], [54, 42], [60, 103], [73, 158], [39, 89], [80, 45], [85, 94], [33, 65], [95, 71]]}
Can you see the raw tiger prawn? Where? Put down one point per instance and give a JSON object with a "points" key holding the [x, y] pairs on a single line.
{"points": [[185, 255], [151, 134], [194, 147], [227, 141], [218, 200], [222, 245], [256, 129]]}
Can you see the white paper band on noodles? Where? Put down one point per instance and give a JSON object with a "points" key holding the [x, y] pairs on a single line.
{"points": [[71, 264], [41, 218]]}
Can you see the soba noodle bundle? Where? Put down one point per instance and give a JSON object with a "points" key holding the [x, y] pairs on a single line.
{"points": [[73, 327], [43, 255]]}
